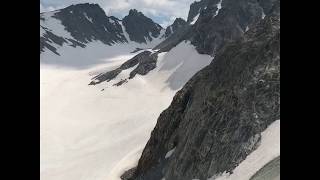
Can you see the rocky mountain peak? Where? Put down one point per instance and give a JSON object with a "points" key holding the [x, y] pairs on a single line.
{"points": [[215, 121], [85, 23], [139, 27], [178, 23], [134, 12], [84, 7], [222, 21], [195, 8], [88, 22]]}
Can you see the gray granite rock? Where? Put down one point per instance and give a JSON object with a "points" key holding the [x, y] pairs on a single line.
{"points": [[213, 29], [88, 22], [139, 27], [217, 118], [177, 24], [181, 34], [85, 23], [146, 64], [145, 61], [122, 81], [196, 7]]}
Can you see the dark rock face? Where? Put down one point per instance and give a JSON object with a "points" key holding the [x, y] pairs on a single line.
{"points": [[217, 118], [139, 27], [146, 64], [148, 61], [128, 174], [183, 33], [177, 24], [108, 76], [145, 61], [215, 28], [196, 7], [87, 22], [122, 81], [267, 5]]}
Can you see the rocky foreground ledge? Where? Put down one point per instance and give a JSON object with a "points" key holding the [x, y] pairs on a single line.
{"points": [[215, 121]]}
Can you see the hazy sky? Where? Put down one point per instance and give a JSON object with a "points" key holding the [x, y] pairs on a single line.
{"points": [[161, 11]]}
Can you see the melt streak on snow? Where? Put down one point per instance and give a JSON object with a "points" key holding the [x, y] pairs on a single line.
{"points": [[98, 132], [266, 152]]}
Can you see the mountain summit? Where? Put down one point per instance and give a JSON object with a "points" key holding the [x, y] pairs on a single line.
{"points": [[78, 25], [203, 93], [177, 24], [141, 28]]}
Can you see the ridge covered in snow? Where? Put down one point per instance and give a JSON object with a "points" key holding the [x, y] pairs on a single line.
{"points": [[98, 132], [268, 150], [81, 24]]}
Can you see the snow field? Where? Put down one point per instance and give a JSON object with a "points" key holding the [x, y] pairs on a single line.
{"points": [[90, 134]]}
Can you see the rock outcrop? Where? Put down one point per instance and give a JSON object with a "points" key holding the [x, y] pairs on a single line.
{"points": [[140, 28], [177, 24], [87, 22], [79, 24], [217, 118], [219, 22], [84, 22], [144, 62], [196, 7], [224, 21]]}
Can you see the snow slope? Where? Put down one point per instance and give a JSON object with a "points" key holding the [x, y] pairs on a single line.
{"points": [[266, 152], [98, 132], [54, 25]]}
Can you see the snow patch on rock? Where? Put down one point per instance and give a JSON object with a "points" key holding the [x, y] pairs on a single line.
{"points": [[195, 19], [169, 153], [219, 7], [268, 149]]}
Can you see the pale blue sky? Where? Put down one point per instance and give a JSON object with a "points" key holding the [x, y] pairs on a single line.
{"points": [[161, 11]]}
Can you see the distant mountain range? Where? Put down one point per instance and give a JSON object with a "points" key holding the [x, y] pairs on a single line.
{"points": [[80, 24], [221, 110]]}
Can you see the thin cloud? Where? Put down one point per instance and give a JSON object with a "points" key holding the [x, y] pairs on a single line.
{"points": [[46, 9]]}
